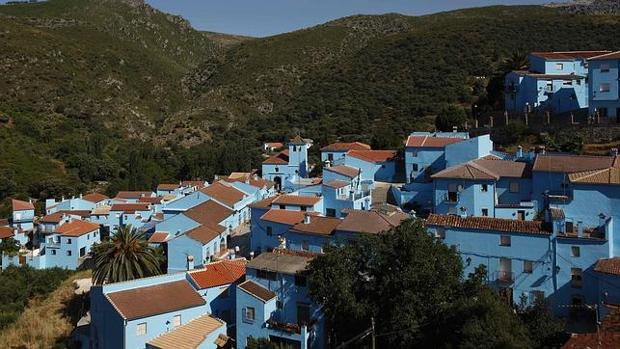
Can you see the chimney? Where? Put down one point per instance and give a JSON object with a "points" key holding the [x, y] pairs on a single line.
{"points": [[614, 151], [454, 129], [80, 195], [190, 262], [307, 219], [519, 152], [328, 164]]}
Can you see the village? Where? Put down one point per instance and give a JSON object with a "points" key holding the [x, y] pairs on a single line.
{"points": [[543, 224]]}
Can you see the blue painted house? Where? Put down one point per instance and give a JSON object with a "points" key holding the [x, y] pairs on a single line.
{"points": [[604, 92], [555, 82], [274, 303], [134, 214], [23, 214], [70, 244], [374, 165], [289, 165], [334, 154]]}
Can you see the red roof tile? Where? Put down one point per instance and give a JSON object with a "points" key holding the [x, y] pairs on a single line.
{"points": [[168, 186], [279, 159], [296, 200], [608, 335], [152, 199], [571, 163], [430, 142], [52, 218], [19, 205], [191, 183], [341, 146], [283, 216], [612, 55], [219, 273], [94, 197], [373, 155], [6, 232], [275, 145], [205, 234], [209, 213], [608, 266], [159, 237], [318, 225], [344, 170], [485, 169], [371, 222], [264, 203], [77, 228], [131, 208], [488, 223], [224, 193], [569, 55], [133, 194], [337, 184], [257, 291], [153, 300]]}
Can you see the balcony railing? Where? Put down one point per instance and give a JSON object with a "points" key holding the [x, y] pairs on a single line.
{"points": [[506, 277], [355, 196]]}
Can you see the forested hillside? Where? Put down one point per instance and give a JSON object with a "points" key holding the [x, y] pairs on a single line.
{"points": [[114, 94]]}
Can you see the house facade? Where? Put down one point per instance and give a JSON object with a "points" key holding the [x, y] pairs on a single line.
{"points": [[604, 89]]}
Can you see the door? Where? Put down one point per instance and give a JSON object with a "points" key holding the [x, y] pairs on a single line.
{"points": [[521, 215], [505, 270]]}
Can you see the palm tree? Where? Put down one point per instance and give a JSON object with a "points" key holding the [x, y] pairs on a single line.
{"points": [[516, 61], [125, 256]]}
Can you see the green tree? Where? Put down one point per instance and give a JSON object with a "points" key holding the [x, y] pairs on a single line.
{"points": [[9, 247], [125, 256], [546, 331], [264, 343], [450, 116]]}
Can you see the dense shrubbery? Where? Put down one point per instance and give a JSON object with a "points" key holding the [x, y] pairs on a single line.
{"points": [[18, 285]]}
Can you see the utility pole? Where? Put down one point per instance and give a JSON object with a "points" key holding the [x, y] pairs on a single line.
{"points": [[372, 326]]}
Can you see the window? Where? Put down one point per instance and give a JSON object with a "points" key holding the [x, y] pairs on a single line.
{"points": [[504, 240], [330, 157], [303, 313], [574, 251], [249, 314], [277, 169], [282, 207], [605, 68], [53, 252], [300, 280], [69, 253], [559, 66], [578, 84], [279, 304], [528, 267], [604, 87], [268, 275], [88, 236], [484, 188], [414, 167], [305, 245], [485, 212], [440, 233], [141, 329], [330, 212], [69, 241], [303, 208], [567, 83], [575, 274], [549, 86], [538, 296], [176, 321], [514, 187]]}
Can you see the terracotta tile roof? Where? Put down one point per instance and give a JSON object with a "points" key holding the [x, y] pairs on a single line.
{"points": [[611, 55], [52, 218], [485, 169], [318, 226], [224, 193], [341, 146], [279, 159], [606, 176], [191, 183], [261, 183], [373, 155], [219, 273], [556, 213], [205, 234], [608, 266], [19, 205], [168, 186], [282, 261], [297, 140], [77, 228], [153, 300], [264, 203], [159, 237], [275, 145], [94, 197], [209, 213], [256, 290], [337, 184], [569, 55], [344, 170], [283, 216], [152, 200], [607, 337], [371, 222], [488, 223], [190, 335], [571, 163], [102, 210], [6, 232], [566, 77], [4, 221], [430, 141], [296, 200], [131, 208], [132, 194]]}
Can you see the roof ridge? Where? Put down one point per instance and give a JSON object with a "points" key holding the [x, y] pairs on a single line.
{"points": [[479, 167]]}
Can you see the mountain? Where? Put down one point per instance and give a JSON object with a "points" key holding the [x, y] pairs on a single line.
{"points": [[114, 93], [589, 6]]}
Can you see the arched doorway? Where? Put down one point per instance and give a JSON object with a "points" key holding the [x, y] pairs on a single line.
{"points": [[278, 183]]}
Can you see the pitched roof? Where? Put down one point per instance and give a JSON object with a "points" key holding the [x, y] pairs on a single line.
{"points": [[224, 193], [341, 146], [205, 234], [298, 200], [485, 169], [430, 141], [153, 300], [168, 186], [256, 290], [336, 184], [606, 176], [264, 203], [131, 208], [571, 163], [297, 140], [610, 55], [275, 145], [152, 199], [569, 55], [372, 222], [132, 194], [608, 266], [318, 225], [283, 216], [159, 237], [209, 213], [566, 77], [488, 223], [77, 228], [282, 261], [607, 336], [219, 273], [188, 336], [52, 218], [19, 205], [192, 183], [6, 232], [280, 158], [344, 170], [373, 155], [94, 197], [261, 183]]}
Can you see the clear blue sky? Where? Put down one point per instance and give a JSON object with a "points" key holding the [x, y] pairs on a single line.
{"points": [[269, 17]]}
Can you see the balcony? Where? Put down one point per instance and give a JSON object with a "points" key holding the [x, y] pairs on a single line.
{"points": [[288, 327], [451, 197], [504, 277], [354, 196]]}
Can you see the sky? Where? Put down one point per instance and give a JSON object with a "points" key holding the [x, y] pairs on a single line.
{"points": [[261, 18]]}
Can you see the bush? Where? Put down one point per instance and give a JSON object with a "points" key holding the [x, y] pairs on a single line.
{"points": [[450, 116]]}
